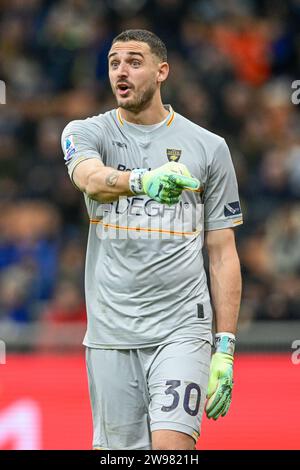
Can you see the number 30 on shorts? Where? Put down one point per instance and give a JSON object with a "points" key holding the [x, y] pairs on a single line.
{"points": [[171, 390]]}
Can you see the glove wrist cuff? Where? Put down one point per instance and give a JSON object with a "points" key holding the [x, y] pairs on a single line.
{"points": [[135, 180], [225, 343]]}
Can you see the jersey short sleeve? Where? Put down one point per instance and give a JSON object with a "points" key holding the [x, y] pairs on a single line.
{"points": [[79, 142], [222, 207]]}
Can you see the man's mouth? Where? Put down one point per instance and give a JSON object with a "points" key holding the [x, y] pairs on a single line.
{"points": [[123, 89]]}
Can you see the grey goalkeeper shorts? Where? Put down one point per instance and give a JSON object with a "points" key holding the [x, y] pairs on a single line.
{"points": [[136, 391]]}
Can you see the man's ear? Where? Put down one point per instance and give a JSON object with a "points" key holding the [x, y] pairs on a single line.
{"points": [[163, 72]]}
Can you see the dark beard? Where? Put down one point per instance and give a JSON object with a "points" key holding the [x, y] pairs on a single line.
{"points": [[141, 102]]}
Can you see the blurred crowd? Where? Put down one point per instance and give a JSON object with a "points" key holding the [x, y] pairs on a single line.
{"points": [[232, 68]]}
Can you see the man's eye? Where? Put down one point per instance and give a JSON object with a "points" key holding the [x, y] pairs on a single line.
{"points": [[114, 65], [136, 63]]}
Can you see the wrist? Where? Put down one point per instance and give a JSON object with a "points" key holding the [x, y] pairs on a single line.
{"points": [[225, 343], [136, 180]]}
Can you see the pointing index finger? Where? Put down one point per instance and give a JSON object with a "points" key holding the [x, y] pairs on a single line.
{"points": [[186, 182]]}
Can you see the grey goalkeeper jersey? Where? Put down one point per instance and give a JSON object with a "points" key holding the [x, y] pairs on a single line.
{"points": [[145, 283]]}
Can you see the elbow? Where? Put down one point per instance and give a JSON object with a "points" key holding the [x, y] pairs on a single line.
{"points": [[91, 191], [94, 191]]}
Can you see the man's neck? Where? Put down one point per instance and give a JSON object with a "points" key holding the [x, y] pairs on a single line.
{"points": [[151, 115]]}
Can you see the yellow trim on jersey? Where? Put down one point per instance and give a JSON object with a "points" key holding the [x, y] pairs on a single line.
{"points": [[237, 222], [94, 221], [120, 117], [200, 190], [171, 119], [142, 229]]}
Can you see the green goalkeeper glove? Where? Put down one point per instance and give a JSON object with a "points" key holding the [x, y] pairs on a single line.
{"points": [[164, 184], [221, 377]]}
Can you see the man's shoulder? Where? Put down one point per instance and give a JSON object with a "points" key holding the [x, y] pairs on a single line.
{"points": [[92, 123], [204, 135]]}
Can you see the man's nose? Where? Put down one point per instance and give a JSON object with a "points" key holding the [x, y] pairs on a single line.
{"points": [[123, 70]]}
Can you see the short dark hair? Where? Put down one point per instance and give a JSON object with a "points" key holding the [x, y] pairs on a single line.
{"points": [[156, 45]]}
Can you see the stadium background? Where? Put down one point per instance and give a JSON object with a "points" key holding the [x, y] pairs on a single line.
{"points": [[232, 68]]}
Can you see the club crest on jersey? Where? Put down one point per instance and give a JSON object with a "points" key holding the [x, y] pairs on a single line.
{"points": [[69, 147], [173, 155]]}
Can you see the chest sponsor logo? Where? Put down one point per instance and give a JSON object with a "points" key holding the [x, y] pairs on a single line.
{"points": [[173, 154], [232, 208], [143, 218], [124, 168]]}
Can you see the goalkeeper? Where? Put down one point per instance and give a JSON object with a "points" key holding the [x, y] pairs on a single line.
{"points": [[145, 170]]}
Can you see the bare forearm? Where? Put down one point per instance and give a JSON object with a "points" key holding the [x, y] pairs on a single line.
{"points": [[226, 286], [107, 185]]}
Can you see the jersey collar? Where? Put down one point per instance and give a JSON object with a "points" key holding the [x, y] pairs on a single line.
{"points": [[167, 124]]}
